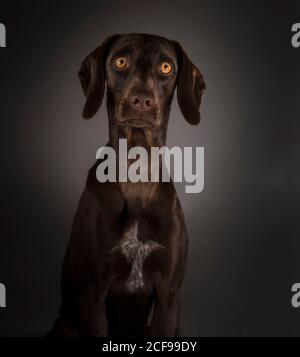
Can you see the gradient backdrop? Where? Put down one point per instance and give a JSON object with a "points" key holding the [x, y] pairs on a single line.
{"points": [[244, 227]]}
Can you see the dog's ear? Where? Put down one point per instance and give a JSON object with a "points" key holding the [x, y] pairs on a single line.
{"points": [[92, 78], [190, 86]]}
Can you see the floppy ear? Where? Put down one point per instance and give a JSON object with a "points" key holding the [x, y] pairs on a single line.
{"points": [[92, 78], [190, 86]]}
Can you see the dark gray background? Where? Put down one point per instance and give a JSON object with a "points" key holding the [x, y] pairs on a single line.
{"points": [[244, 230]]}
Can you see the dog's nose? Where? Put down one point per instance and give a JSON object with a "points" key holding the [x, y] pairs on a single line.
{"points": [[141, 102]]}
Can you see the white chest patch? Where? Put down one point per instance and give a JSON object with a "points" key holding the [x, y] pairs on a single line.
{"points": [[135, 252]]}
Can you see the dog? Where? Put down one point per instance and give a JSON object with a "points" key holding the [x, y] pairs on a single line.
{"points": [[127, 253]]}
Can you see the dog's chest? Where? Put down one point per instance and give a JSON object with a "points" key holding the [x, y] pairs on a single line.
{"points": [[135, 250], [133, 245]]}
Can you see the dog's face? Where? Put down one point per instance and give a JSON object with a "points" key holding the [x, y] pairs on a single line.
{"points": [[141, 72]]}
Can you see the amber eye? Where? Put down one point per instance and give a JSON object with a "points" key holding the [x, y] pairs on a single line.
{"points": [[166, 68], [121, 62]]}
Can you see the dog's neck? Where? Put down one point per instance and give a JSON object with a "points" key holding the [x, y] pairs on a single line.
{"points": [[139, 194]]}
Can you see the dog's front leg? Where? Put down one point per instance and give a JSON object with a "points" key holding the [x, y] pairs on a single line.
{"points": [[165, 320], [92, 314]]}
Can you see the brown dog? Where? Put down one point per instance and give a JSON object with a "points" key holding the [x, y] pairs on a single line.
{"points": [[128, 247]]}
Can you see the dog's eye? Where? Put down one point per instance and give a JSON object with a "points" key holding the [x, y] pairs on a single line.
{"points": [[165, 68], [121, 62]]}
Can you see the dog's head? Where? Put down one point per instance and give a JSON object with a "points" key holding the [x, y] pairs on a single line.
{"points": [[141, 72]]}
